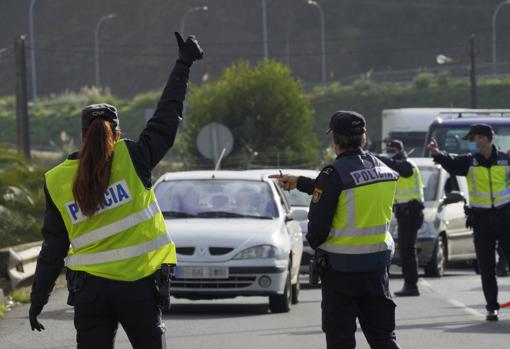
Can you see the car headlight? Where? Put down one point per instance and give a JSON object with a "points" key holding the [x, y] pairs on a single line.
{"points": [[261, 251], [427, 230]]}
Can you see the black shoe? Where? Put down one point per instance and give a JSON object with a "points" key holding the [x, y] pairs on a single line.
{"points": [[407, 292], [492, 315]]}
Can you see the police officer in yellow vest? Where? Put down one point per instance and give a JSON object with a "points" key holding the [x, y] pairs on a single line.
{"points": [[103, 222], [348, 226], [487, 171], [408, 209]]}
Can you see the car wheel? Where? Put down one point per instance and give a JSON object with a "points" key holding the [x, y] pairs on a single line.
{"points": [[295, 292], [280, 303], [437, 264]]}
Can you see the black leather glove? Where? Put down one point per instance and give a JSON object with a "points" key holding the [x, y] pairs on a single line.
{"points": [[189, 50], [34, 311]]}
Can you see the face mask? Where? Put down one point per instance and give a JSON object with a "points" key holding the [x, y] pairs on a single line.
{"points": [[473, 148], [391, 155]]}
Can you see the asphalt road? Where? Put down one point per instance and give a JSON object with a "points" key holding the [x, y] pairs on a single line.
{"points": [[449, 314]]}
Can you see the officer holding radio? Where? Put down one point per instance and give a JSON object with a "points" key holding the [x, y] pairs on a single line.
{"points": [[101, 202]]}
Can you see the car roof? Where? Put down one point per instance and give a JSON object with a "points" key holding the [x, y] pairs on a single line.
{"points": [[424, 162], [291, 171], [201, 175], [469, 121]]}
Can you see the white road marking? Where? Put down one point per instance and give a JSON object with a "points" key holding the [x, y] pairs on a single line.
{"points": [[464, 307]]}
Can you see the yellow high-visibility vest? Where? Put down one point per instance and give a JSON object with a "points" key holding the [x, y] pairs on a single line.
{"points": [[360, 227], [409, 188], [127, 239], [488, 187]]}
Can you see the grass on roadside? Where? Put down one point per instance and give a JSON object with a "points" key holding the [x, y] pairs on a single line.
{"points": [[3, 309], [21, 295]]}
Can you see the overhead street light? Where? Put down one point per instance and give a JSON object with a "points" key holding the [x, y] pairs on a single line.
{"points": [[323, 34], [442, 59], [494, 16], [188, 12], [96, 43], [32, 50]]}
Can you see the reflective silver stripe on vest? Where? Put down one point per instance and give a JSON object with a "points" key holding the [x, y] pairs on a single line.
{"points": [[387, 245], [488, 195], [377, 230], [116, 227], [501, 202], [480, 205], [118, 254]]}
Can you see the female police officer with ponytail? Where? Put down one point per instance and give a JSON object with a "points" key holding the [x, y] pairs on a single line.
{"points": [[100, 202]]}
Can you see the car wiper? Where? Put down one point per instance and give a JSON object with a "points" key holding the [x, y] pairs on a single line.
{"points": [[225, 214], [177, 214]]}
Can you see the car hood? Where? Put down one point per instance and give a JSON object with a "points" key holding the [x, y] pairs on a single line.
{"points": [[237, 234]]}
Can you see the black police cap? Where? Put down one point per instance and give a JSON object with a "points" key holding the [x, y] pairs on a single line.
{"points": [[479, 129], [101, 111], [347, 123]]}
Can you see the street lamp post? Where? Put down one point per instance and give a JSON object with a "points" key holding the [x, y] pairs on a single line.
{"points": [[494, 16], [189, 11], [32, 49], [96, 43], [264, 28], [323, 39]]}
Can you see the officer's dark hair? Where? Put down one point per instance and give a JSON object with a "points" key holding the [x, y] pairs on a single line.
{"points": [[350, 141], [95, 165]]}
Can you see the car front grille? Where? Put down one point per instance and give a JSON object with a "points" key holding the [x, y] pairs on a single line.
{"points": [[186, 251], [233, 281], [218, 251]]}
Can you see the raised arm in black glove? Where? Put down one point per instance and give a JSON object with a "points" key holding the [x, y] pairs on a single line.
{"points": [[189, 50]]}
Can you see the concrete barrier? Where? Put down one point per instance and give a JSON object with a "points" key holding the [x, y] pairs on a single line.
{"points": [[18, 263]]}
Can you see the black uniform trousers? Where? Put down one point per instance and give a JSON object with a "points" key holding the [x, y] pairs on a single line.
{"points": [[101, 304], [409, 218], [366, 296], [491, 226]]}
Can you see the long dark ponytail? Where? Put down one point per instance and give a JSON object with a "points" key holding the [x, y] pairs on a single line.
{"points": [[95, 167]]}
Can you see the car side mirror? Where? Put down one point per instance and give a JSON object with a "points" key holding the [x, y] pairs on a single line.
{"points": [[453, 197], [298, 214], [288, 218]]}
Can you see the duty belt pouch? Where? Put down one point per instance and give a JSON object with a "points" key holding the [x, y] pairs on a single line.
{"points": [[316, 269], [163, 276], [75, 281]]}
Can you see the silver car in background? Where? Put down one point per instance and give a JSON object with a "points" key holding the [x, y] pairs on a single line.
{"points": [[443, 237], [233, 236], [299, 203]]}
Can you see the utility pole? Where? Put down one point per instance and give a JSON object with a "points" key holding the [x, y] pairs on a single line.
{"points": [[472, 71], [22, 126]]}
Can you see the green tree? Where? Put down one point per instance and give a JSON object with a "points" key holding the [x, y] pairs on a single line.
{"points": [[264, 107], [21, 200]]}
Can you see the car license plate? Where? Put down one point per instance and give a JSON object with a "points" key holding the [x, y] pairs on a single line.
{"points": [[201, 273]]}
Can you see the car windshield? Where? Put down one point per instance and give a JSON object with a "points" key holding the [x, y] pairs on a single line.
{"points": [[297, 198], [450, 138], [216, 199], [430, 177]]}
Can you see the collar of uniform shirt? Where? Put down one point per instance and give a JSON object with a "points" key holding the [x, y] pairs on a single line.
{"points": [[351, 152], [490, 161]]}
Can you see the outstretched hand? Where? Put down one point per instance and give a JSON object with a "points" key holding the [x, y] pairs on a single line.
{"points": [[285, 182], [433, 147], [189, 50]]}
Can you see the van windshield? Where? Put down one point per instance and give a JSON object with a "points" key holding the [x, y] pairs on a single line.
{"points": [[450, 138], [430, 179]]}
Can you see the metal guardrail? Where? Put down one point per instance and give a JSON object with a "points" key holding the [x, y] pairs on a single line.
{"points": [[18, 263]]}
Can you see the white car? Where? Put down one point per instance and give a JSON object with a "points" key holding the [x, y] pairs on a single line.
{"points": [[233, 236], [443, 237], [300, 203]]}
